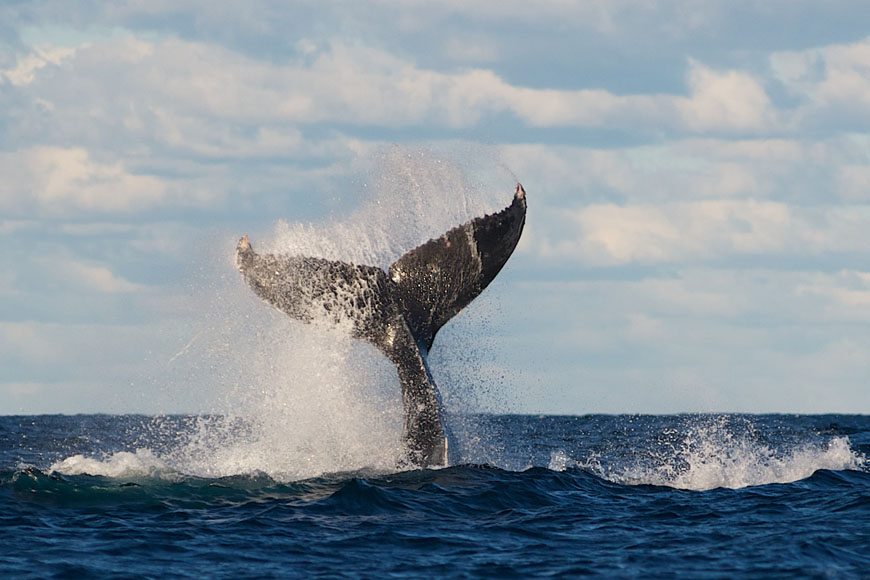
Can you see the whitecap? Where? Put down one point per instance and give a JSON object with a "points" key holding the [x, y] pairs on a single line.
{"points": [[142, 463]]}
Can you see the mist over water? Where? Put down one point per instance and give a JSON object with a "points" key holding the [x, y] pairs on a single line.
{"points": [[407, 197]]}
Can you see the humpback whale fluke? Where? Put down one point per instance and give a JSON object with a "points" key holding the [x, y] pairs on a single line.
{"points": [[399, 311]]}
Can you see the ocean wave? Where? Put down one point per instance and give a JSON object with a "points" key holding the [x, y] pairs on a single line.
{"points": [[608, 504], [715, 454], [142, 463]]}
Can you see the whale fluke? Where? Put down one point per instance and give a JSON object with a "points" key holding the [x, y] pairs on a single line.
{"points": [[399, 311]]}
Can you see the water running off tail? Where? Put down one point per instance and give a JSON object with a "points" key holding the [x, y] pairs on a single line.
{"points": [[399, 311]]}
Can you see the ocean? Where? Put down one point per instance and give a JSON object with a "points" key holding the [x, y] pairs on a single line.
{"points": [[625, 496]]}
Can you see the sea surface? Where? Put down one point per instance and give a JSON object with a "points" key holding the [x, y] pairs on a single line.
{"points": [[686, 496]]}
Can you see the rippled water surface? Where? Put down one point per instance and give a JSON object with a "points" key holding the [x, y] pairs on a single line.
{"points": [[609, 496]]}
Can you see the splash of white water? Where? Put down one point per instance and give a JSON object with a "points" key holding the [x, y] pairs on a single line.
{"points": [[411, 196], [723, 452], [295, 400], [140, 464]]}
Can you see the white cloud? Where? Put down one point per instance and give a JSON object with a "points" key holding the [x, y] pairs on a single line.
{"points": [[725, 101], [823, 173], [218, 140], [199, 117], [611, 17], [97, 277], [57, 180], [680, 170], [853, 182], [26, 342], [12, 227], [607, 234], [28, 65], [68, 177], [360, 85], [702, 339], [846, 294], [834, 79]]}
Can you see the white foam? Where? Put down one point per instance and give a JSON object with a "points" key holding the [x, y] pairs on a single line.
{"points": [[308, 401], [122, 464], [714, 453], [744, 464]]}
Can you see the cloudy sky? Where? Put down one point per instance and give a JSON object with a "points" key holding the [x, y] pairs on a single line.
{"points": [[698, 176]]}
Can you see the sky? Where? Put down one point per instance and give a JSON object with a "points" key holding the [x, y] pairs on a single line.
{"points": [[698, 177]]}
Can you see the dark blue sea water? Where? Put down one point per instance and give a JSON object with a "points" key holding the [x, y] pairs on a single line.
{"points": [[602, 496]]}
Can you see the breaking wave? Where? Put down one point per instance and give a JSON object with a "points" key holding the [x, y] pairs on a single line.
{"points": [[721, 452]]}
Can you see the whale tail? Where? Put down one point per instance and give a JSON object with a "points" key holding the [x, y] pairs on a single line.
{"points": [[436, 280], [399, 311]]}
